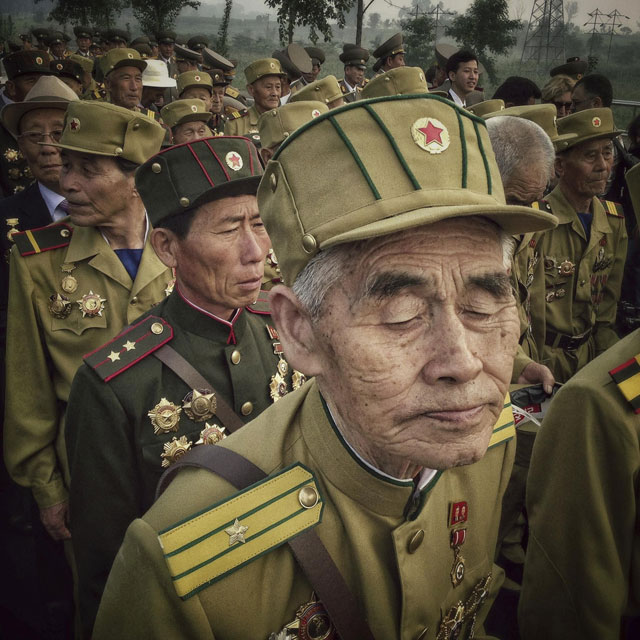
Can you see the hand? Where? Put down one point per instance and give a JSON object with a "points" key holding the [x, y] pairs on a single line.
{"points": [[535, 373], [54, 520]]}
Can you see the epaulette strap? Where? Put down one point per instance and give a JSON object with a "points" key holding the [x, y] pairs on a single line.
{"points": [[53, 236], [540, 205], [227, 535], [231, 91], [504, 429], [261, 305], [627, 377], [613, 208], [235, 115], [132, 345]]}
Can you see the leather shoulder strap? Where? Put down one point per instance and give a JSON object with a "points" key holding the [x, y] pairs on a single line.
{"points": [[185, 371], [307, 548]]}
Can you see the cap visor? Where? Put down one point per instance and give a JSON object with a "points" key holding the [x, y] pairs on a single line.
{"points": [[12, 113], [597, 136]]}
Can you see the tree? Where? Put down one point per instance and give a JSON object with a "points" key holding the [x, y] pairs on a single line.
{"points": [[419, 36], [96, 12], [157, 15], [315, 14], [221, 45], [485, 28], [360, 11], [374, 20]]}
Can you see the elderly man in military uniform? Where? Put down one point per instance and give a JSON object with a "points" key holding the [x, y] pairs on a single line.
{"points": [[264, 85], [122, 72], [73, 285], [386, 471], [187, 120], [133, 410], [354, 59], [584, 257], [389, 54]]}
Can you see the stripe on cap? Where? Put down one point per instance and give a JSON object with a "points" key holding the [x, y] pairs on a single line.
{"points": [[195, 155], [463, 146], [215, 155], [484, 158]]}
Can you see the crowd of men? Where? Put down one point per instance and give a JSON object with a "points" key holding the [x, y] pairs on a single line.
{"points": [[352, 274]]}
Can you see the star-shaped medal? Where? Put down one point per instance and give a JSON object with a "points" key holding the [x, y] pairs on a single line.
{"points": [[236, 532]]}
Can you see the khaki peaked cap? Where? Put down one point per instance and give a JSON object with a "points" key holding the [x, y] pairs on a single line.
{"points": [[325, 90], [276, 125], [263, 67], [395, 82], [182, 111], [406, 161], [586, 125]]}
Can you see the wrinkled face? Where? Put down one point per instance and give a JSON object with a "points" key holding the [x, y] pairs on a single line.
{"points": [[43, 159], [266, 91], [125, 87], [395, 61], [584, 169], [353, 75], [217, 100], [526, 185], [190, 131], [417, 343], [465, 79], [18, 88], [84, 44], [220, 263], [166, 50], [97, 190], [198, 92]]}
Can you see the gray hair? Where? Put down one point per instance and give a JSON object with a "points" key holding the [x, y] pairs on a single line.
{"points": [[330, 266], [519, 143]]}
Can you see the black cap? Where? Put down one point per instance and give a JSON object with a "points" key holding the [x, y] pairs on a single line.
{"points": [[316, 54], [82, 32], [21, 62], [67, 68], [166, 37], [354, 55], [197, 43], [183, 53], [116, 35]]}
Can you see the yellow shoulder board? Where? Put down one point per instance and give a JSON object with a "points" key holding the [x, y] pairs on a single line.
{"points": [[613, 208], [504, 429], [235, 115], [627, 377], [227, 535], [53, 236], [232, 92], [541, 205]]}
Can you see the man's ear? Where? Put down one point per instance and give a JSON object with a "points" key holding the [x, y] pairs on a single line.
{"points": [[250, 89], [559, 165], [296, 332], [265, 154], [597, 103], [166, 246], [10, 89], [450, 74]]}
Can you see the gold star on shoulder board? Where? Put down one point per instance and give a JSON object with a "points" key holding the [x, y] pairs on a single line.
{"points": [[113, 356], [236, 532], [129, 346]]}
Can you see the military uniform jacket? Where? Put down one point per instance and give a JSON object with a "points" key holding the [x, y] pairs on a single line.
{"points": [[346, 92], [115, 448], [15, 174], [367, 525], [582, 282], [244, 123], [44, 351], [582, 572]]}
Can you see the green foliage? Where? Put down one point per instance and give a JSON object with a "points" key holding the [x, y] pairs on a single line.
{"points": [[315, 14], [223, 31], [98, 12], [156, 15], [485, 28], [419, 36]]}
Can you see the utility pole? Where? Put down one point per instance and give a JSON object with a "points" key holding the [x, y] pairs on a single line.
{"points": [[595, 22], [613, 16], [544, 40], [438, 12]]}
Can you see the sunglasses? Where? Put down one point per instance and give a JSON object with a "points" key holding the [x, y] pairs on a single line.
{"points": [[566, 105]]}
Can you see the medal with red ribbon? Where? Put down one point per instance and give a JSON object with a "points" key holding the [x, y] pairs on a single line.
{"points": [[458, 514]]}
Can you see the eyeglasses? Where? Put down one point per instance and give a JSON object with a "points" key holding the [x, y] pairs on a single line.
{"points": [[34, 137], [566, 105]]}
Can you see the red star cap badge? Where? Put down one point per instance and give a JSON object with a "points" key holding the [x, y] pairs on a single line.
{"points": [[431, 133]]}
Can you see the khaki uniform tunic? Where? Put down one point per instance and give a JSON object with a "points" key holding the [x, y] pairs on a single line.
{"points": [[245, 125]]}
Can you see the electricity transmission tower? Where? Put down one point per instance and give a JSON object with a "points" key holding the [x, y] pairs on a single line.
{"points": [[544, 41], [438, 12]]}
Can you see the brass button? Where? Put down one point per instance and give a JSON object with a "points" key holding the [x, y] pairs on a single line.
{"points": [[136, 126], [118, 150], [423, 634], [582, 283], [65, 233], [416, 541], [309, 243], [134, 300], [156, 168], [157, 328], [246, 408], [235, 357], [184, 202], [273, 181], [308, 497]]}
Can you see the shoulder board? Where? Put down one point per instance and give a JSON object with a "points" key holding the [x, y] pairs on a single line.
{"points": [[613, 208], [154, 115], [343, 88], [213, 543], [627, 377], [53, 236], [365, 82], [261, 305], [230, 91], [132, 345], [542, 205], [235, 115], [504, 429]]}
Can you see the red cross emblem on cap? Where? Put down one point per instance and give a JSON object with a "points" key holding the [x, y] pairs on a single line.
{"points": [[234, 160]]}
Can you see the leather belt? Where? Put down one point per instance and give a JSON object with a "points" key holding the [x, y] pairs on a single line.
{"points": [[565, 342]]}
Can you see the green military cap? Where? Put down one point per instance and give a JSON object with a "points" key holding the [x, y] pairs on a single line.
{"points": [[120, 57], [140, 40], [294, 60], [395, 82], [104, 129], [444, 52], [21, 62], [197, 43], [482, 109], [194, 79], [14, 43], [218, 77], [144, 50], [431, 142], [632, 177], [188, 175], [325, 90], [263, 67], [85, 62], [183, 53], [166, 37], [353, 55], [590, 124], [55, 37], [67, 68], [181, 111], [544, 115], [40, 33], [316, 54], [216, 61], [25, 36], [574, 68], [82, 31], [276, 125], [391, 47], [116, 35], [47, 93]]}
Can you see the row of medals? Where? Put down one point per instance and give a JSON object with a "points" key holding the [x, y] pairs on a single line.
{"points": [[91, 304], [200, 406]]}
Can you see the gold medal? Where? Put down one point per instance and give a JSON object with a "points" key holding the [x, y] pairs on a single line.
{"points": [[200, 405], [69, 284], [91, 304], [12, 223], [169, 288], [312, 622], [451, 624], [283, 366], [211, 434], [297, 379], [277, 387], [566, 268], [165, 417], [59, 306], [458, 568], [174, 450]]}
